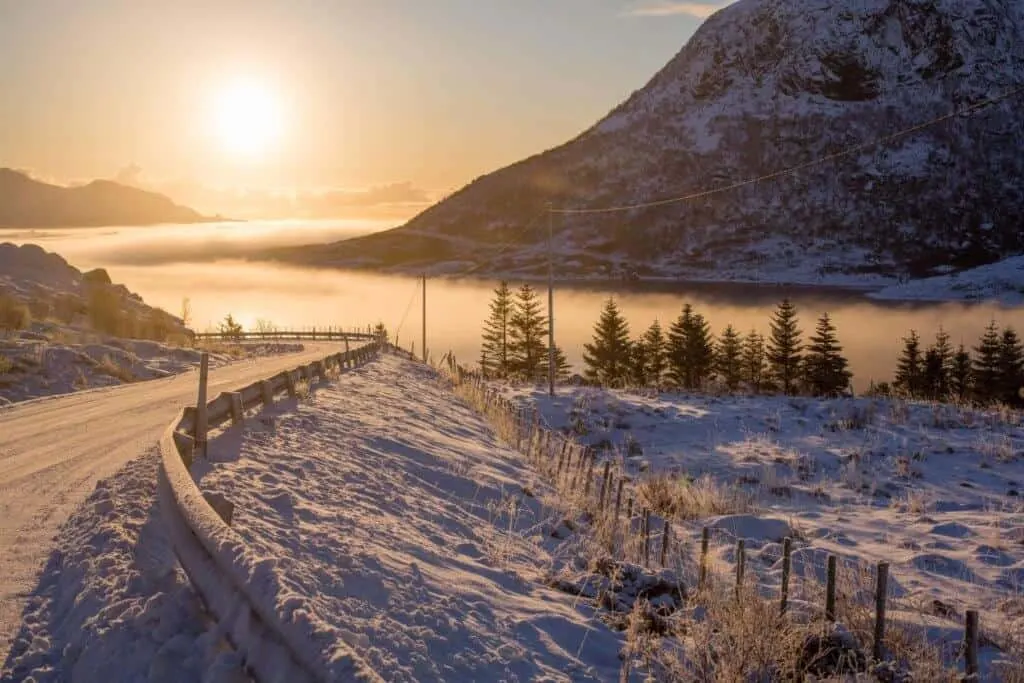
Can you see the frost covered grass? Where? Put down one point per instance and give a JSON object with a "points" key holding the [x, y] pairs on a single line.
{"points": [[932, 489], [112, 604]]}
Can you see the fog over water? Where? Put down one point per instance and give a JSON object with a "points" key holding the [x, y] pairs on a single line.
{"points": [[164, 264]]}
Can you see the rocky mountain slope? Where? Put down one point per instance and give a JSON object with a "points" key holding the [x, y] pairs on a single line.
{"points": [[26, 202], [765, 85]]}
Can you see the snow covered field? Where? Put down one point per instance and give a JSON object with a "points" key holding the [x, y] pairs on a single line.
{"points": [[413, 529], [112, 604], [934, 490], [1002, 281]]}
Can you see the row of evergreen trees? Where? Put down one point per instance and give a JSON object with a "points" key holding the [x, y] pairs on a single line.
{"points": [[515, 340], [689, 357], [994, 373]]}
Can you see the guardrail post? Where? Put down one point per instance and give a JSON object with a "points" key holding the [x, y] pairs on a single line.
{"points": [[237, 412], [289, 380], [266, 393], [201, 415], [221, 505]]}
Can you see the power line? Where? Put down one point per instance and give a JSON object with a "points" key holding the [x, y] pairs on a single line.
{"points": [[408, 307], [799, 167]]}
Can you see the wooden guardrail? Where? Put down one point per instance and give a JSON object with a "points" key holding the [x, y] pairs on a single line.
{"points": [[256, 612], [314, 334]]}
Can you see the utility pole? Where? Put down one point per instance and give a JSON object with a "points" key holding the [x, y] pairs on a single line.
{"points": [[424, 317], [551, 307]]}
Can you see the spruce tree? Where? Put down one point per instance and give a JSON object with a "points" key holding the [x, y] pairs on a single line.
{"points": [[784, 347], [700, 351], [679, 371], [910, 366], [728, 357], [1011, 367], [527, 333], [961, 376], [754, 361], [654, 346], [986, 364], [494, 357], [606, 360], [563, 371], [943, 364], [639, 362], [824, 366], [932, 381]]}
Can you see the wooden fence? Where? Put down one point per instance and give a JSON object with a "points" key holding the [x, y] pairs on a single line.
{"points": [[312, 334], [608, 496]]}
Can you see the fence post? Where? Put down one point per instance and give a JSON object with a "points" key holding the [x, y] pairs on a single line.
{"points": [[590, 476], [741, 565], [830, 590], [971, 646], [604, 484], [618, 499], [881, 593], [666, 534], [705, 539], [787, 560], [201, 415], [647, 536]]}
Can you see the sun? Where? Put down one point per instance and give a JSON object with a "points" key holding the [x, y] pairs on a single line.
{"points": [[247, 119]]}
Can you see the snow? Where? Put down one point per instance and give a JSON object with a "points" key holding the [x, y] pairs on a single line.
{"points": [[935, 490], [112, 603], [1001, 281], [393, 509], [55, 364]]}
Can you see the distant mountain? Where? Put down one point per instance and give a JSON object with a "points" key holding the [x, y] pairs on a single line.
{"points": [[29, 203], [766, 85]]}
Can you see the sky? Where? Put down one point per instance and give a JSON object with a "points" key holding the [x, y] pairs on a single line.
{"points": [[345, 95]]}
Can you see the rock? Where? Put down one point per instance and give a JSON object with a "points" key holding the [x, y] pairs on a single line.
{"points": [[833, 654], [97, 276]]}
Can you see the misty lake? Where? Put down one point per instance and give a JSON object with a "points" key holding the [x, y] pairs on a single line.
{"points": [[165, 264]]}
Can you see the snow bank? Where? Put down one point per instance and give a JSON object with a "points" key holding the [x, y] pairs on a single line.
{"points": [[1002, 281], [408, 528], [112, 604]]}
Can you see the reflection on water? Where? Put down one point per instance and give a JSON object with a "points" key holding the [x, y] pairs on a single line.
{"points": [[869, 330]]}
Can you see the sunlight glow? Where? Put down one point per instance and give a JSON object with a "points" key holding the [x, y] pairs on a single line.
{"points": [[247, 119]]}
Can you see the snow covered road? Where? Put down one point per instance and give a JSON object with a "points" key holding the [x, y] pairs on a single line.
{"points": [[53, 451]]}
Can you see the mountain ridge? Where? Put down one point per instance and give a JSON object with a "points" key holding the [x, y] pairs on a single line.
{"points": [[764, 85], [29, 203]]}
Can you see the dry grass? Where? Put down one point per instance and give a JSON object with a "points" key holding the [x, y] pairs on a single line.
{"points": [[222, 348], [683, 499], [6, 365], [108, 366]]}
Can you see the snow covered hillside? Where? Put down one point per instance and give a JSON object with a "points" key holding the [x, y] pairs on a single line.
{"points": [[413, 530], [762, 86], [935, 490], [112, 604], [62, 330]]}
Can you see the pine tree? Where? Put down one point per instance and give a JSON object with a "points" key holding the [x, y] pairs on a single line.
{"points": [[654, 345], [606, 360], [784, 347], [824, 366], [754, 361], [943, 365], [527, 332], [1011, 367], [563, 371], [932, 380], [678, 362], [639, 362], [700, 350], [960, 378], [986, 364], [910, 366], [728, 357], [494, 356]]}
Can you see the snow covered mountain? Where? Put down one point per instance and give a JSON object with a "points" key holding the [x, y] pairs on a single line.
{"points": [[765, 85]]}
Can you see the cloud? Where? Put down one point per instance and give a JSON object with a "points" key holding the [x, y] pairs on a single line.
{"points": [[665, 8]]}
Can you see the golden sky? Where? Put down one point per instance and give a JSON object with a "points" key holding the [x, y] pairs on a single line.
{"points": [[315, 94]]}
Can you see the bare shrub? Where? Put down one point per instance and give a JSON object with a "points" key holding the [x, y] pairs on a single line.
{"points": [[14, 315], [109, 366]]}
